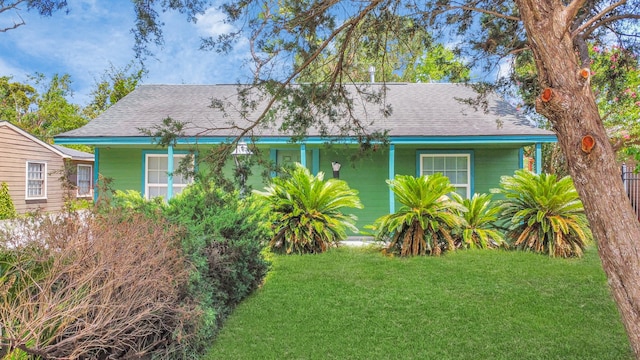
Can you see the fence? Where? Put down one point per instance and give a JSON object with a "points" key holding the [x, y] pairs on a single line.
{"points": [[631, 181]]}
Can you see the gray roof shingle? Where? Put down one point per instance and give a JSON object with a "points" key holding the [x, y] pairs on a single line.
{"points": [[75, 154], [417, 110]]}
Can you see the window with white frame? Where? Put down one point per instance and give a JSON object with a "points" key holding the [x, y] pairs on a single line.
{"points": [[456, 167], [36, 180], [84, 180], [157, 175]]}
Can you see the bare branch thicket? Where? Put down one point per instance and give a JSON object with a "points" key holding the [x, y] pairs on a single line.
{"points": [[106, 286]]}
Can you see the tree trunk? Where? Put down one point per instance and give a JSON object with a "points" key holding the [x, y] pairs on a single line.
{"points": [[569, 104]]}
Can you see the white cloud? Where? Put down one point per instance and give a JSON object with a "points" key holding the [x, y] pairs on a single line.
{"points": [[212, 23], [96, 34]]}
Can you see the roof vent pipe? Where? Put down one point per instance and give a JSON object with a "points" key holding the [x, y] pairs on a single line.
{"points": [[372, 73]]}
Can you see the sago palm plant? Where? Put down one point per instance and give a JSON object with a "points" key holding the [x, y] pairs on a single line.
{"points": [[546, 214], [424, 224], [479, 230], [308, 211]]}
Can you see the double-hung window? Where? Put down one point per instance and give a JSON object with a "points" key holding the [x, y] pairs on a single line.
{"points": [[455, 166], [157, 175], [36, 180], [84, 181]]}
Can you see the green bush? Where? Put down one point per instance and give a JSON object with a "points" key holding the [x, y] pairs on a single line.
{"points": [[132, 201], [224, 240], [425, 222], [545, 214], [307, 211], [7, 210], [478, 230]]}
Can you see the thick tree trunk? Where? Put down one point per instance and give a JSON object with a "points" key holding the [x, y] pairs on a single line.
{"points": [[570, 106]]}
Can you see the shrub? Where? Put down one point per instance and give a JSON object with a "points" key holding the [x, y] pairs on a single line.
{"points": [[478, 229], [7, 210], [97, 288], [307, 211], [545, 214], [224, 241], [132, 201], [425, 222]]}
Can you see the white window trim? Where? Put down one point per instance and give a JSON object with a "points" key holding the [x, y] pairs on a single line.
{"points": [[147, 186], [44, 184], [467, 155], [90, 194]]}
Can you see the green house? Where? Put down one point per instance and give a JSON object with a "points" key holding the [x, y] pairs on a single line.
{"points": [[430, 130]]}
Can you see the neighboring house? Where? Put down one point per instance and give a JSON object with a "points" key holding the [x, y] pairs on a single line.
{"points": [[430, 130], [34, 171]]}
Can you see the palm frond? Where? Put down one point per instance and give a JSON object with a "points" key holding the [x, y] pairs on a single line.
{"points": [[546, 214], [426, 219], [308, 211]]}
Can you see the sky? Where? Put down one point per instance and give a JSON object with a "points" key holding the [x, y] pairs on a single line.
{"points": [[96, 34]]}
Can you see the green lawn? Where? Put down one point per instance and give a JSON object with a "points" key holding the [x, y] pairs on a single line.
{"points": [[354, 303]]}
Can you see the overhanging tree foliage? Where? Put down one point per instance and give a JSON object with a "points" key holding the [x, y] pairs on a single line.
{"points": [[286, 37], [555, 33]]}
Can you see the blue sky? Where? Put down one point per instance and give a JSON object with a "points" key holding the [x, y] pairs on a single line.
{"points": [[96, 33]]}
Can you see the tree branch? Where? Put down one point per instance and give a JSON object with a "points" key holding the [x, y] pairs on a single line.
{"points": [[484, 11], [571, 11], [597, 18], [15, 25], [10, 6], [608, 20], [349, 24]]}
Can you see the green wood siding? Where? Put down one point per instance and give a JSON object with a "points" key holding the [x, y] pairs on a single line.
{"points": [[123, 166], [491, 164], [368, 175]]}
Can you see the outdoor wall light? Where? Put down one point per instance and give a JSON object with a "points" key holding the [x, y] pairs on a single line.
{"points": [[335, 166]]}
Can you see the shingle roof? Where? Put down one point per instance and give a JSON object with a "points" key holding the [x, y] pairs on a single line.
{"points": [[75, 154], [417, 110]]}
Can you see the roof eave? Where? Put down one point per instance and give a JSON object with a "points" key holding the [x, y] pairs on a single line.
{"points": [[266, 140]]}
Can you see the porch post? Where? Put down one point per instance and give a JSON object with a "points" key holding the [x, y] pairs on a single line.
{"points": [[392, 175], [315, 161], [169, 172], [538, 158], [96, 169], [521, 158], [303, 154], [273, 156]]}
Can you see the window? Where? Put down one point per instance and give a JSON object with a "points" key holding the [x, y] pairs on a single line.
{"points": [[157, 177], [84, 180], [457, 167], [36, 180]]}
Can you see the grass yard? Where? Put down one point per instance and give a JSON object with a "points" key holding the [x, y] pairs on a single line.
{"points": [[353, 303]]}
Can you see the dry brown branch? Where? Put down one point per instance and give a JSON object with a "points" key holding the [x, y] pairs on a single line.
{"points": [[105, 287]]}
